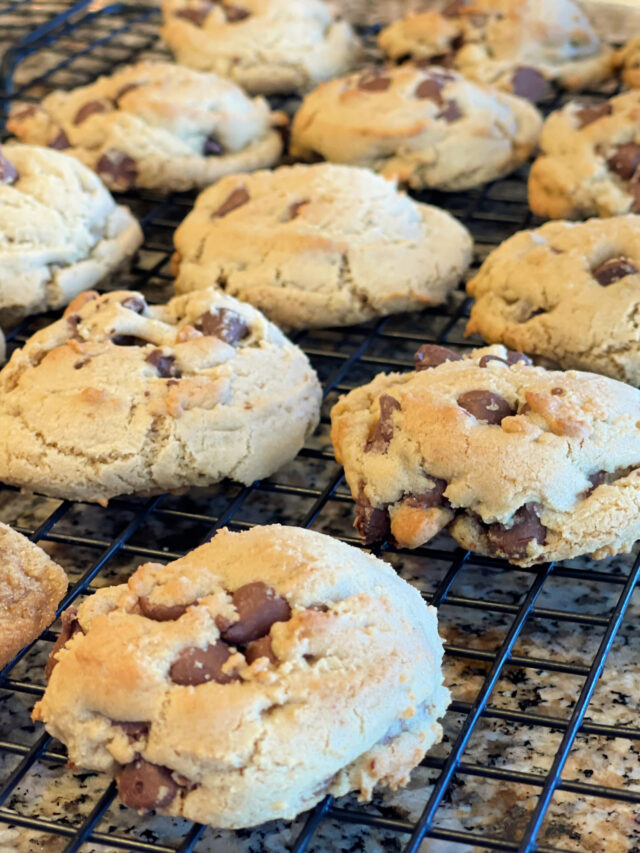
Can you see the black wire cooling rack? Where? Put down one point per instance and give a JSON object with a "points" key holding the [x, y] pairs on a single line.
{"points": [[492, 614]]}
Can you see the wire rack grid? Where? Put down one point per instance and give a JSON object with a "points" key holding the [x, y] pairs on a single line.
{"points": [[515, 771]]}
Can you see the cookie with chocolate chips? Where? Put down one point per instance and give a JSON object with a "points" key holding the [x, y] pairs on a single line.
{"points": [[202, 686], [520, 46], [155, 126], [61, 231], [589, 162], [321, 245], [118, 397], [425, 127], [568, 292], [515, 461], [268, 47]]}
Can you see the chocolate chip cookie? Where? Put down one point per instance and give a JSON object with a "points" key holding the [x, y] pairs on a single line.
{"points": [[427, 127], [568, 292], [202, 685], [267, 46], [627, 62], [589, 163], [320, 245], [118, 397], [31, 587], [155, 125], [61, 231], [514, 460], [519, 46]]}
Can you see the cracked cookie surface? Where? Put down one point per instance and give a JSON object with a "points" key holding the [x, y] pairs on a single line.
{"points": [[155, 125], [516, 45], [515, 461], [202, 684], [427, 127], [31, 587], [320, 245], [567, 291], [118, 398], [60, 231], [267, 46], [589, 162]]}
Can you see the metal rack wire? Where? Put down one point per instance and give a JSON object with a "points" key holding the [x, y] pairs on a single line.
{"points": [[102, 545]]}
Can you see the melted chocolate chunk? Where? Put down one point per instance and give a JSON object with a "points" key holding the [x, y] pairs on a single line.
{"points": [[89, 109], [144, 786], [134, 303], [431, 355], [128, 341], [212, 147], [513, 540], [195, 666], [237, 198], [8, 172], [383, 431], [512, 358], [374, 80], [235, 13], [129, 87], [161, 612], [485, 406], [70, 627], [119, 168], [529, 83], [197, 15], [373, 524], [426, 500], [430, 88], [612, 270], [597, 479], [590, 114], [258, 608], [261, 648], [225, 324], [451, 112], [626, 160], [164, 364], [60, 142]]}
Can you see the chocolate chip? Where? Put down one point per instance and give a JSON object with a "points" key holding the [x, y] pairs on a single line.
{"points": [[626, 160], [8, 172], [557, 392], [164, 364], [225, 324], [258, 608], [89, 109], [485, 406], [60, 142], [372, 523], [235, 13], [484, 361], [82, 363], [430, 88], [261, 648], [383, 432], [129, 87], [633, 188], [161, 612], [528, 83], [512, 358], [197, 15], [374, 80], [119, 168], [431, 355], [451, 112], [597, 479], [144, 786], [128, 341], [446, 59], [426, 500], [134, 303], [587, 115], [294, 208], [513, 540], [73, 321], [195, 666], [27, 112], [70, 627], [237, 198], [212, 147], [132, 729], [612, 270]]}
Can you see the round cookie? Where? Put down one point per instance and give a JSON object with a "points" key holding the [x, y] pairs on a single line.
{"points": [[249, 679], [118, 398], [61, 231], [320, 245], [516, 45], [31, 587], [589, 161], [427, 127], [157, 126], [568, 292], [515, 461], [266, 46]]}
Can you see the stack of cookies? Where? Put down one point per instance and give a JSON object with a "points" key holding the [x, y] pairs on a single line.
{"points": [[526, 450]]}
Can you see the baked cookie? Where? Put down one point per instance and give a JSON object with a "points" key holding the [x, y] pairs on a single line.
{"points": [[427, 127], [321, 245], [205, 685], [516, 461], [267, 46], [589, 161], [60, 231], [568, 292], [118, 398], [627, 62], [516, 45], [155, 125], [31, 587]]}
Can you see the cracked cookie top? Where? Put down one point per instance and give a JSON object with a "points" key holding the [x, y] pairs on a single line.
{"points": [[428, 127], [267, 46], [589, 162], [566, 291], [60, 231], [202, 684], [155, 125], [515, 460], [320, 245], [118, 397], [516, 45]]}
